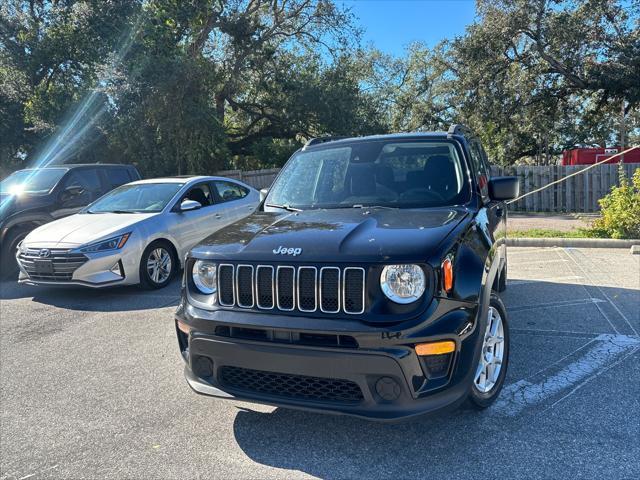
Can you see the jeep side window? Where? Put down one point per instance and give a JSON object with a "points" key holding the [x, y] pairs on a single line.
{"points": [[228, 191], [480, 166]]}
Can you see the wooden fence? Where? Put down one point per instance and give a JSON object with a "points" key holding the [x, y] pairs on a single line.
{"points": [[256, 178], [579, 194]]}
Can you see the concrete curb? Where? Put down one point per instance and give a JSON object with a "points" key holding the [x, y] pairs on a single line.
{"points": [[573, 242]]}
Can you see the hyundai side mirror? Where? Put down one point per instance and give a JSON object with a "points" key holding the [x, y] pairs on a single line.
{"points": [[504, 188], [189, 205], [263, 194]]}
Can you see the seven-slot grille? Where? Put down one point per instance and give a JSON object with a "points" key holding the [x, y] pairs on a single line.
{"points": [[63, 262], [287, 288]]}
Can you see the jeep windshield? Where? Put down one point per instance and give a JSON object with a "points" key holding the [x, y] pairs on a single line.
{"points": [[392, 174]]}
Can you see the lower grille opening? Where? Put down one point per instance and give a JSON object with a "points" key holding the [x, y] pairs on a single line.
{"points": [[291, 386], [249, 333], [283, 336]]}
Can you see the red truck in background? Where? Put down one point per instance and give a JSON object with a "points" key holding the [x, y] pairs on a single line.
{"points": [[589, 156]]}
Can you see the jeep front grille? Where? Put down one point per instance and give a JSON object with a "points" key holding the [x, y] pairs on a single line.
{"points": [[64, 263], [288, 288]]}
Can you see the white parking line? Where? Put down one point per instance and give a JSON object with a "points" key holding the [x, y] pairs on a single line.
{"points": [[559, 303], [604, 349], [602, 312], [538, 280], [622, 315], [540, 262]]}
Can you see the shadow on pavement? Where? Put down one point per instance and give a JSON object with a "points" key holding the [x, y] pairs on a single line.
{"points": [[328, 446], [557, 318], [111, 299]]}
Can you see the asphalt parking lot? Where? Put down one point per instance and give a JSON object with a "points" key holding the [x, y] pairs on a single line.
{"points": [[91, 386]]}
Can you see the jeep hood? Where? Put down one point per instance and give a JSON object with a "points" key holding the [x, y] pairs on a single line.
{"points": [[334, 235]]}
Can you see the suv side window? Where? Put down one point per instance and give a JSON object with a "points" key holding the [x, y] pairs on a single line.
{"points": [[200, 193], [229, 191], [478, 158], [86, 179], [116, 177]]}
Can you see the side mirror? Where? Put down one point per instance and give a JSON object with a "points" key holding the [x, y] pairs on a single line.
{"points": [[73, 191], [263, 194], [188, 205], [70, 192], [504, 188]]}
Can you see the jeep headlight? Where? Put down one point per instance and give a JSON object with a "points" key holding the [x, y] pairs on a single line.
{"points": [[403, 283], [205, 276]]}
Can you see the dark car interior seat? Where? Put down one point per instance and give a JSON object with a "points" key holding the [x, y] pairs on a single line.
{"points": [[197, 195], [440, 175], [361, 183], [385, 176]]}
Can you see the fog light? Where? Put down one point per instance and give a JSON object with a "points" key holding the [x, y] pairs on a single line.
{"points": [[387, 388], [203, 366]]}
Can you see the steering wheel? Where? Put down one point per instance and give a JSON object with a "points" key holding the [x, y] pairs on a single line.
{"points": [[421, 191]]}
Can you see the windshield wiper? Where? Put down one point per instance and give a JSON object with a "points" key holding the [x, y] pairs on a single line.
{"points": [[283, 207], [359, 205]]}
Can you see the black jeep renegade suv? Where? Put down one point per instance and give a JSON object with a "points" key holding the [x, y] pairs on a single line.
{"points": [[366, 284]]}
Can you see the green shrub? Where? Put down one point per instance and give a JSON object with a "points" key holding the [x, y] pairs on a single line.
{"points": [[620, 210]]}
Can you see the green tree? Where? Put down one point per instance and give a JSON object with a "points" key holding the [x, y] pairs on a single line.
{"points": [[50, 55], [531, 76]]}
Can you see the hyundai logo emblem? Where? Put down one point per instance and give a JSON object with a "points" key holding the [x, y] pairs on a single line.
{"points": [[44, 253]]}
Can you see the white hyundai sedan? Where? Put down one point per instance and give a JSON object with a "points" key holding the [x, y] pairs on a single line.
{"points": [[137, 233]]}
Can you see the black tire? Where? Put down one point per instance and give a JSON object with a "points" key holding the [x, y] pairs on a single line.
{"points": [[479, 399], [146, 280], [8, 256]]}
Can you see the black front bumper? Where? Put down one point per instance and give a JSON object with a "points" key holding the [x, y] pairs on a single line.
{"points": [[381, 377]]}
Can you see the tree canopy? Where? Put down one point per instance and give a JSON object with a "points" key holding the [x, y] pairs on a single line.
{"points": [[202, 85]]}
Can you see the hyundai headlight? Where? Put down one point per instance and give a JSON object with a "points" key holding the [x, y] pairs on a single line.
{"points": [[403, 283], [205, 276], [114, 243]]}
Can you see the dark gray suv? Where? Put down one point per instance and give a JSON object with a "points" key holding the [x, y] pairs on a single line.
{"points": [[32, 197]]}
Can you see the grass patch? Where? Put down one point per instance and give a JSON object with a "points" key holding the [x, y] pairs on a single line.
{"points": [[550, 233]]}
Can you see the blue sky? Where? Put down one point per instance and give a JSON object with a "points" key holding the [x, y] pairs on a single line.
{"points": [[390, 25]]}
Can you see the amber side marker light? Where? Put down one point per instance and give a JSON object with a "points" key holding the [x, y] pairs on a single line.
{"points": [[436, 348], [183, 327], [447, 275], [123, 240]]}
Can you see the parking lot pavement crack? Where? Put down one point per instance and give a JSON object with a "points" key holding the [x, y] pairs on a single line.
{"points": [[604, 350]]}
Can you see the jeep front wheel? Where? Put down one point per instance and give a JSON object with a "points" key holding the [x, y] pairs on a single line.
{"points": [[494, 357]]}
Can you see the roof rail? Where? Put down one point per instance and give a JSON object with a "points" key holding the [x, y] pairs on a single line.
{"points": [[459, 129], [319, 140]]}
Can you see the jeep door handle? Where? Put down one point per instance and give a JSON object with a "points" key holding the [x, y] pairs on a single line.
{"points": [[218, 216]]}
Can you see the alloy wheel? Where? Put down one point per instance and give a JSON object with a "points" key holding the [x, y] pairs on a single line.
{"points": [[492, 354], [159, 265]]}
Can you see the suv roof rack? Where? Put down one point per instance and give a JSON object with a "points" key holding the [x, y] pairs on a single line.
{"points": [[459, 129], [319, 140]]}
